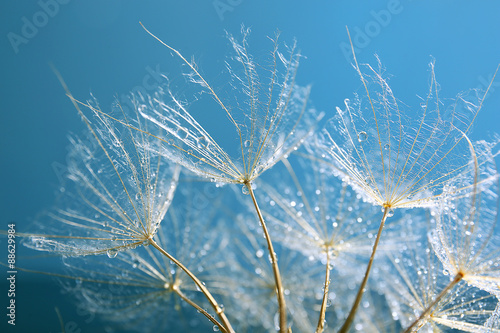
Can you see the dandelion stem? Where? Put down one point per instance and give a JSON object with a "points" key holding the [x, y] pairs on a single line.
{"points": [[357, 301], [218, 310], [274, 263], [452, 283], [200, 309], [61, 322], [321, 321]]}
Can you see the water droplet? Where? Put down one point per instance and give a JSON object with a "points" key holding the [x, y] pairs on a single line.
{"points": [[247, 143], [244, 190], [112, 253], [390, 213], [387, 146], [362, 136], [182, 132], [202, 142], [216, 328], [259, 253]]}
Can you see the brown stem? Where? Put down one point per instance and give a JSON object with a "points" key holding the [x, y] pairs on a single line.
{"points": [[321, 321], [452, 283], [218, 310], [274, 263], [199, 308], [348, 322]]}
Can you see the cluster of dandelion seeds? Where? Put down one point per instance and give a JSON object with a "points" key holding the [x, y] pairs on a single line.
{"points": [[380, 219]]}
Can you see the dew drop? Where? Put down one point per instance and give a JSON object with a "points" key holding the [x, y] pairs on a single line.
{"points": [[387, 146], [247, 143], [244, 190], [112, 253], [362, 136], [259, 253], [182, 132], [202, 142]]}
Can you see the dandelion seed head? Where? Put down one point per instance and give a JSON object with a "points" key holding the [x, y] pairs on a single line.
{"points": [[391, 159]]}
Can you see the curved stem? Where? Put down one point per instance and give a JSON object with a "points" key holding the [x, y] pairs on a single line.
{"points": [[321, 321], [452, 283], [200, 309], [61, 322], [359, 296], [274, 263], [218, 310]]}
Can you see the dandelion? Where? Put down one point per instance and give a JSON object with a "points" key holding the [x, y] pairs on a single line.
{"points": [[425, 299], [393, 161], [115, 195], [121, 194], [320, 217], [143, 290], [467, 234], [170, 256], [268, 110]]}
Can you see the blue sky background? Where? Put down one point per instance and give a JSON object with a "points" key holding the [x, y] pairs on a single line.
{"points": [[99, 47]]}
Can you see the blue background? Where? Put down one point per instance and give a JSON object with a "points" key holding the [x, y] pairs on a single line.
{"points": [[99, 47]]}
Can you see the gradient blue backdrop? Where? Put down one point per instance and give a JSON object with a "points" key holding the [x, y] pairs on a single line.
{"points": [[99, 47]]}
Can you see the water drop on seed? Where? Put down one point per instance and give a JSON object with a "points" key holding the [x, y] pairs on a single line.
{"points": [[244, 190], [112, 253], [362, 136]]}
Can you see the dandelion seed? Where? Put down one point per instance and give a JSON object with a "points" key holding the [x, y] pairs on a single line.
{"points": [[405, 163], [267, 108], [422, 157], [147, 292], [300, 227], [467, 236], [424, 299], [116, 192]]}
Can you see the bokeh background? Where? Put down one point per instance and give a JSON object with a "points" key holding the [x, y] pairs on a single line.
{"points": [[100, 48]]}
